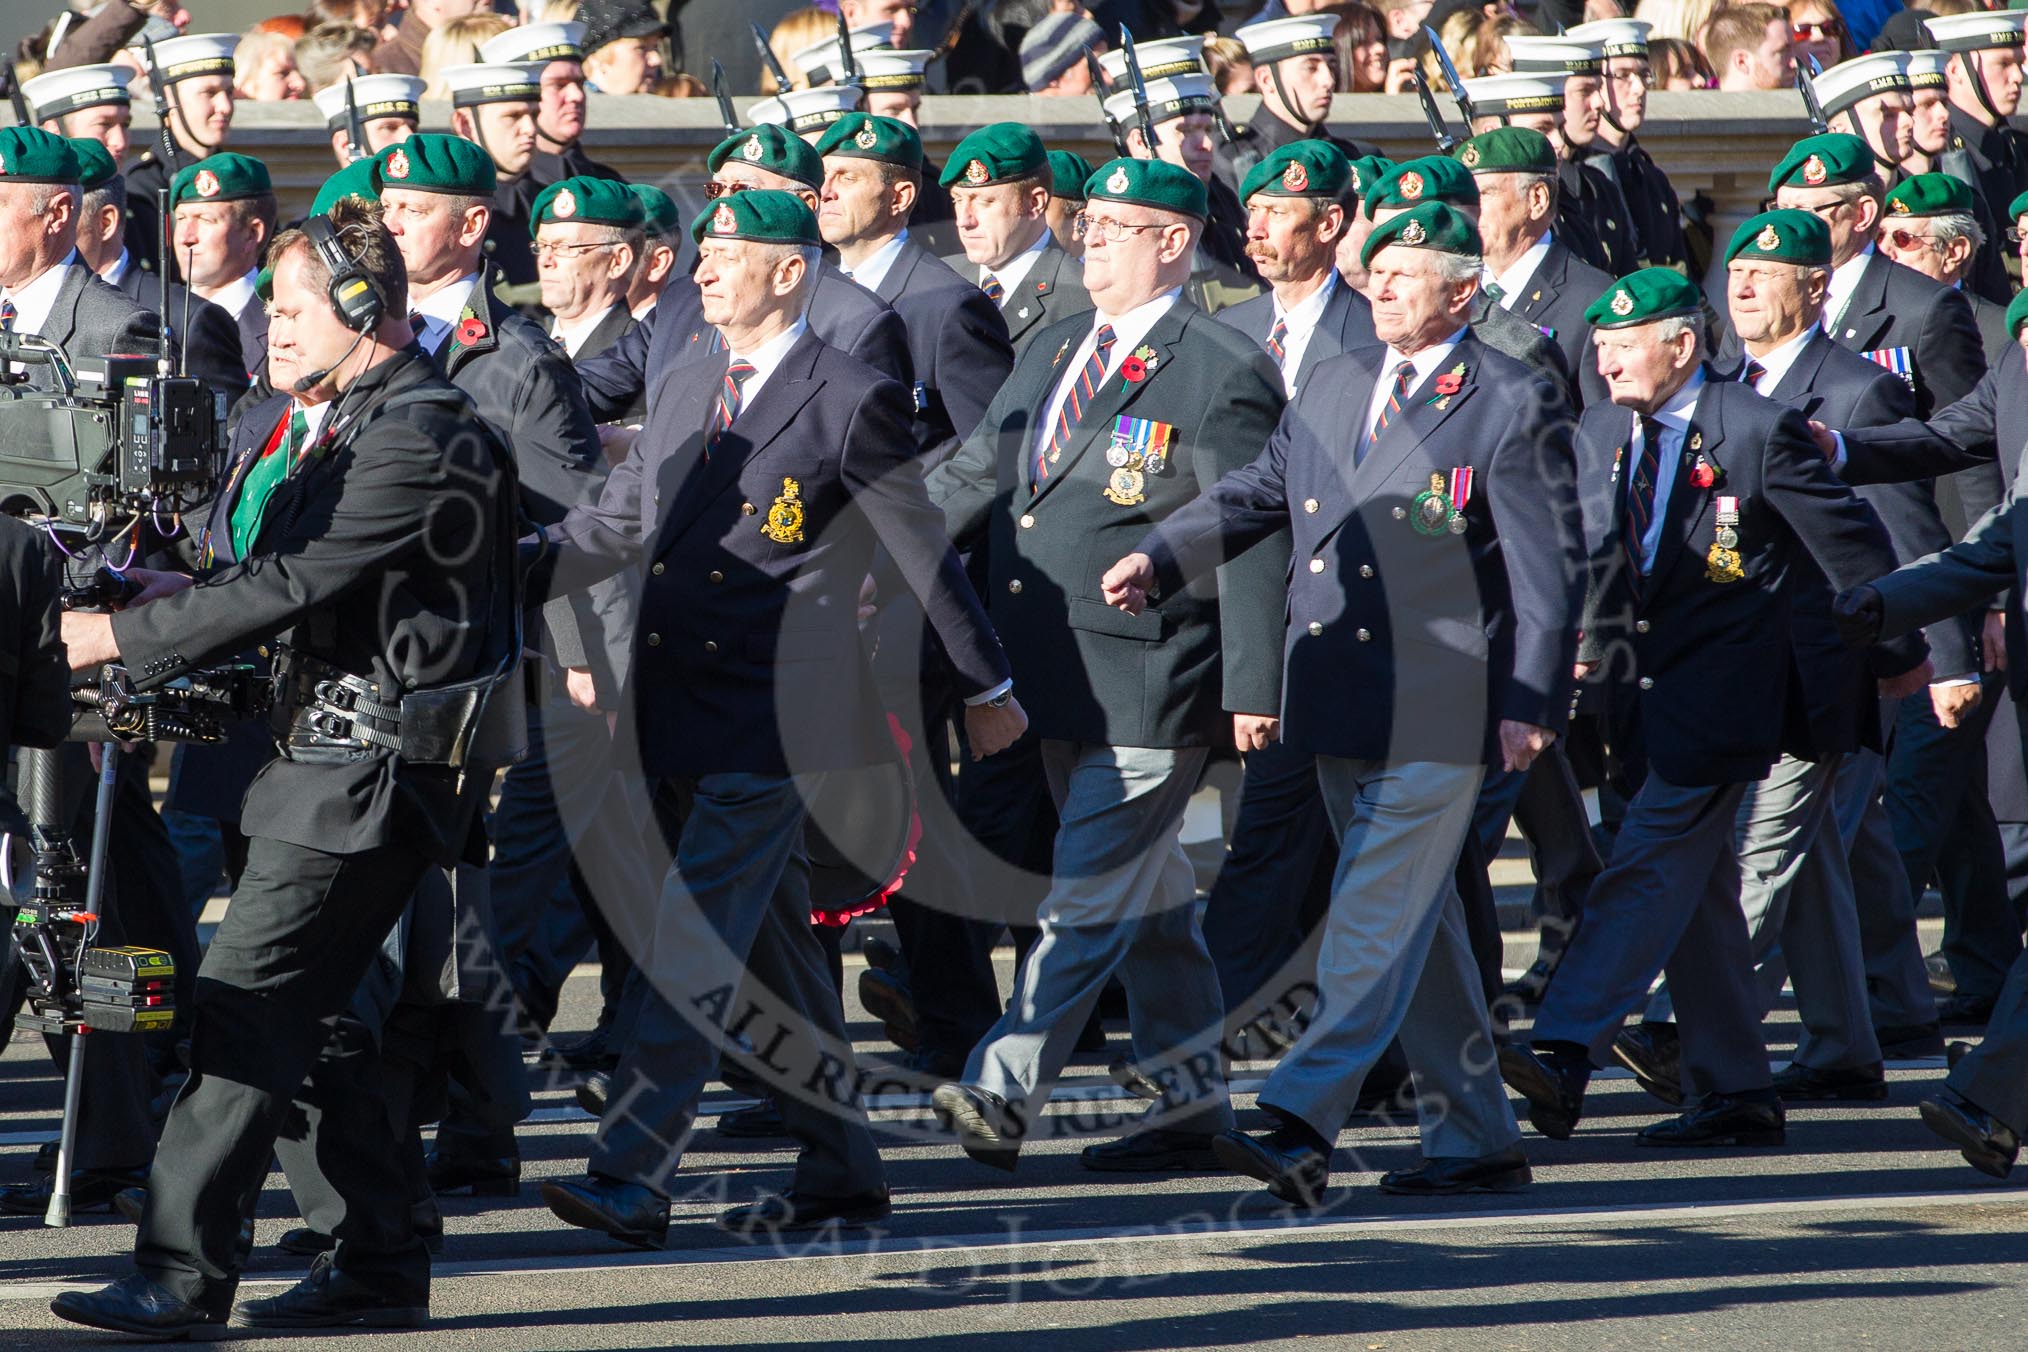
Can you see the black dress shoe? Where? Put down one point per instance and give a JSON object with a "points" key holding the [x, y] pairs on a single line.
{"points": [[1722, 1119], [988, 1129], [1092, 1038], [1909, 1042], [1964, 1011], [1654, 1053], [594, 1091], [1988, 1145], [790, 1212], [1942, 980], [45, 1157], [1797, 1083], [88, 1192], [1957, 1052], [761, 1122], [485, 1177], [1553, 1086], [628, 1212], [591, 1051], [328, 1299], [887, 998], [1294, 1170], [881, 955], [134, 1305], [736, 1076], [309, 1243], [1153, 1150], [1502, 1171], [1128, 1076]]}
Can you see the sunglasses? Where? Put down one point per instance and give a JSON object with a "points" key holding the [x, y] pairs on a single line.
{"points": [[1907, 240], [715, 189], [1829, 30]]}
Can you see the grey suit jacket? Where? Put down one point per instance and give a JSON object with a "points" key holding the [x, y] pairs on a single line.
{"points": [[92, 318], [1053, 290]]}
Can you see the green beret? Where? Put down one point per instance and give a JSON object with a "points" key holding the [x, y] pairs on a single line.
{"points": [[766, 215], [1000, 153], [1930, 195], [1783, 237], [659, 208], [595, 201], [1823, 162], [1427, 225], [1647, 295], [1149, 183], [773, 148], [32, 155], [1368, 170], [1068, 171], [224, 177], [1433, 178], [1509, 150], [862, 136], [360, 179], [434, 162], [1300, 169], [2018, 207], [2017, 314], [95, 167]]}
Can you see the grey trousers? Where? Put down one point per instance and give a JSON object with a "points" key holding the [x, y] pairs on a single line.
{"points": [[1396, 961], [1796, 895], [1668, 900], [1994, 1074], [1122, 899], [1897, 981]]}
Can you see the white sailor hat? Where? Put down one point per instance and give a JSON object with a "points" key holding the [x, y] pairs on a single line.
{"points": [[74, 87], [820, 62], [803, 111], [1618, 37], [891, 70], [376, 96], [493, 82], [535, 42], [1501, 95], [1862, 77], [1159, 57], [1168, 96], [1978, 30], [1280, 39], [186, 58], [1535, 55], [1926, 68]]}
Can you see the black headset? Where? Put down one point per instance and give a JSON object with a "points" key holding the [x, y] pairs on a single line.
{"points": [[354, 293]]}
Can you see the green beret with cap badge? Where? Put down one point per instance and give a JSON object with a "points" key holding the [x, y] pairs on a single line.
{"points": [[1149, 183], [1823, 162], [1783, 237], [865, 136], [1311, 168], [1431, 178], [773, 148], [589, 199], [998, 153], [434, 162], [1438, 226], [1644, 297], [762, 215]]}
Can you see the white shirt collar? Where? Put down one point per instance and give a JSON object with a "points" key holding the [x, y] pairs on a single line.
{"points": [[441, 309], [1129, 330], [1304, 314], [236, 295], [572, 336], [1674, 418], [1844, 279], [1522, 270], [1426, 361], [1776, 364], [766, 358], [1676, 414], [117, 273], [1018, 267], [313, 419], [871, 273], [33, 302]]}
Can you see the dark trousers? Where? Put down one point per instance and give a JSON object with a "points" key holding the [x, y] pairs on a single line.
{"points": [[302, 930]]}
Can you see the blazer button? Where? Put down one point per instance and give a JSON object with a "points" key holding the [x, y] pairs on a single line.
{"points": [[656, 570], [715, 576], [1364, 636], [1027, 520], [1401, 514], [654, 640], [1640, 626], [1014, 585], [710, 645], [747, 509], [1366, 570], [1647, 682], [1316, 565], [1316, 629], [1309, 504]]}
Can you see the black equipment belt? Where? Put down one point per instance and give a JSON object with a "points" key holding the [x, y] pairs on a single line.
{"points": [[319, 708]]}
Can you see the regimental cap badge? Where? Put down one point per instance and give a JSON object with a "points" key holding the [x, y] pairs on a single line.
{"points": [[1470, 158], [722, 220], [868, 138], [1898, 207], [752, 149], [206, 183], [1118, 181], [1413, 234], [1358, 184], [975, 172], [1814, 172], [1623, 302], [1410, 185], [1295, 178], [1768, 240], [397, 164], [565, 205]]}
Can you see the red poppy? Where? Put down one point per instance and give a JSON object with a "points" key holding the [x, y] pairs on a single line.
{"points": [[1133, 370], [1701, 475], [1450, 382], [470, 331]]}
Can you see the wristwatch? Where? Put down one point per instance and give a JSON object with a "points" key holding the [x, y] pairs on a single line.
{"points": [[1000, 700]]}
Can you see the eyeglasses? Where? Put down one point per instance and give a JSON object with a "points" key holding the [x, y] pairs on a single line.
{"points": [[1105, 227], [548, 250], [1830, 30], [715, 189], [1907, 240]]}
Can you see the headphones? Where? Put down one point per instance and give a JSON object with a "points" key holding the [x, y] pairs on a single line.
{"points": [[355, 296]]}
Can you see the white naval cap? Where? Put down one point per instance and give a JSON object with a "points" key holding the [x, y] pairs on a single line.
{"points": [[1159, 58], [535, 42], [1499, 95], [74, 87], [806, 110], [186, 58], [376, 96], [1978, 30], [1533, 55], [1926, 68], [1168, 96], [888, 68], [1862, 77], [493, 82], [820, 61], [1280, 39], [1616, 37]]}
